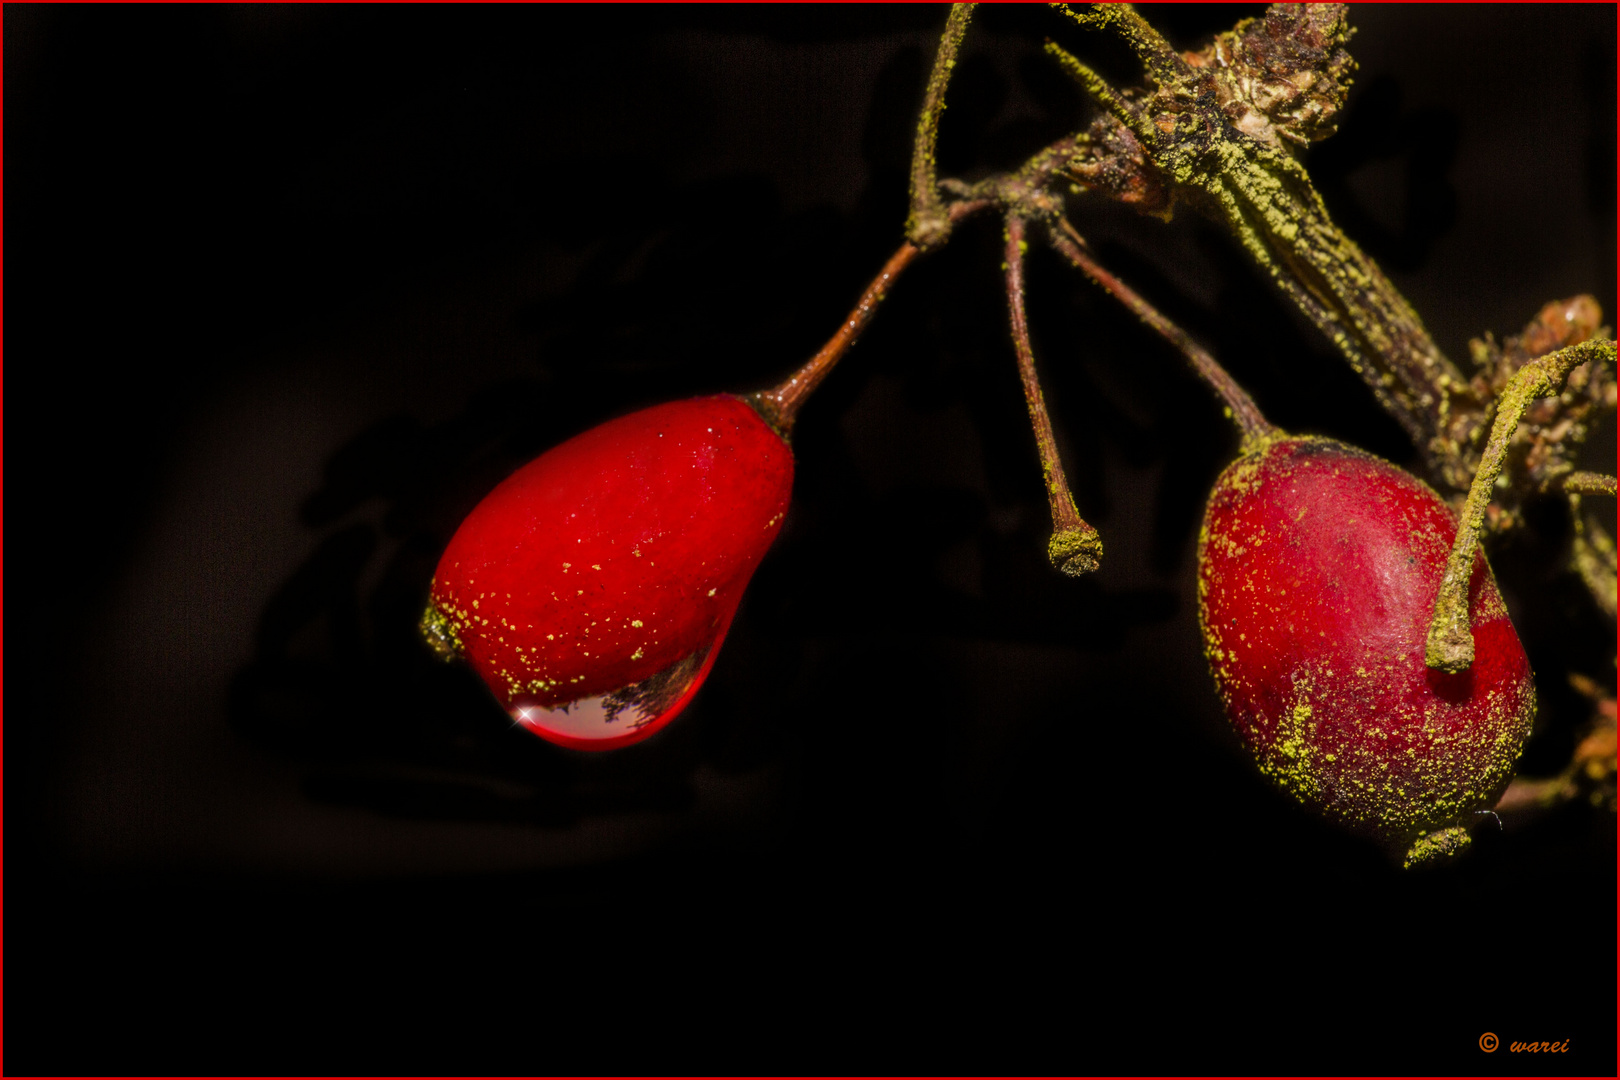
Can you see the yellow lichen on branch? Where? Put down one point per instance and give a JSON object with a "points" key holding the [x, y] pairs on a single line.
{"points": [[1451, 639]]}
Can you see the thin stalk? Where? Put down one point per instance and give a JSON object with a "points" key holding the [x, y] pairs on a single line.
{"points": [[1240, 407], [1075, 547], [929, 223], [780, 405], [1588, 483], [1451, 638], [1593, 556]]}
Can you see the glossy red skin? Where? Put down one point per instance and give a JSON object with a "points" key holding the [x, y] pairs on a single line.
{"points": [[615, 555], [1318, 569]]}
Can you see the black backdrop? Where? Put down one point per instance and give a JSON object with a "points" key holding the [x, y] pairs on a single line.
{"points": [[288, 289]]}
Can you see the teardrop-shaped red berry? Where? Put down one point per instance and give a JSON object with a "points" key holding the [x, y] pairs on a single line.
{"points": [[591, 590], [1318, 567]]}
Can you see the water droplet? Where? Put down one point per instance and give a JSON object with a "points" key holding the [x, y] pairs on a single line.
{"points": [[624, 716]]}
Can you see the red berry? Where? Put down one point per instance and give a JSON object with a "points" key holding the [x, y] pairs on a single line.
{"points": [[1318, 566], [591, 590]]}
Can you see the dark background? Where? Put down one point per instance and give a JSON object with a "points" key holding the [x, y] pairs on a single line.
{"points": [[288, 289]]}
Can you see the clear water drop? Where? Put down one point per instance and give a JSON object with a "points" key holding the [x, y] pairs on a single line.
{"points": [[624, 716]]}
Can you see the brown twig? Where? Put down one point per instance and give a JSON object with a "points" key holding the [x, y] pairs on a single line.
{"points": [[1075, 547], [930, 224], [1240, 407], [1588, 483], [1451, 638]]}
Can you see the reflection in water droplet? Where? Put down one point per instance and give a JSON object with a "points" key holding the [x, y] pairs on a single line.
{"points": [[624, 716]]}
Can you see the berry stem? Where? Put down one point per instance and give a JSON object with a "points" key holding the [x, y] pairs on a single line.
{"points": [[1075, 548], [1450, 645], [1240, 407], [930, 223], [780, 405]]}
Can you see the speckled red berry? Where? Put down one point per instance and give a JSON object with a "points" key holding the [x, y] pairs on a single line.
{"points": [[1318, 567], [591, 590]]}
